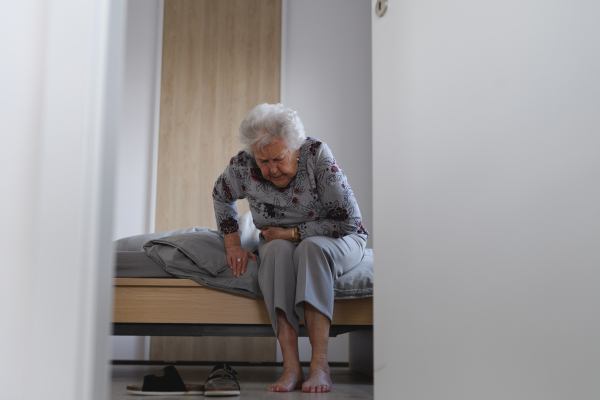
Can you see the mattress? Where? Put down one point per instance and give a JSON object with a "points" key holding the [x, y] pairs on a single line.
{"points": [[356, 283]]}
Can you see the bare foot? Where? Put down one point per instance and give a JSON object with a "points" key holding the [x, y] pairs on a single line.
{"points": [[319, 380], [292, 379]]}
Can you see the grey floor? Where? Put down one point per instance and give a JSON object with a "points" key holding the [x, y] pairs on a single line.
{"points": [[253, 382]]}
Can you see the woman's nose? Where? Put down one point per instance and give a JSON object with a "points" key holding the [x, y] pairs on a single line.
{"points": [[272, 168]]}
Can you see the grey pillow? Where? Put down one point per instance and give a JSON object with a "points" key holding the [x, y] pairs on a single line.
{"points": [[249, 234], [204, 249], [358, 282]]}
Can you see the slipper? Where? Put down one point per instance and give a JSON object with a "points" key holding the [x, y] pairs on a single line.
{"points": [[222, 381], [167, 383]]}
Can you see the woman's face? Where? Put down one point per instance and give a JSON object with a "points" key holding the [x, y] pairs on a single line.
{"points": [[277, 163]]}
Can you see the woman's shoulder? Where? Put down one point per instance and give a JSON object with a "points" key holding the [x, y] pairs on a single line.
{"points": [[314, 146], [241, 159]]}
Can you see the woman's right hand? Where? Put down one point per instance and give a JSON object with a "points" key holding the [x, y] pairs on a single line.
{"points": [[237, 259]]}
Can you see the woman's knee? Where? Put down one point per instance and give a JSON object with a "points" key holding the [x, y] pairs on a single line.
{"points": [[276, 248], [309, 245], [275, 255], [311, 254]]}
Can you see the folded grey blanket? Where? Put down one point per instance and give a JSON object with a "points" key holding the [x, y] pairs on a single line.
{"points": [[137, 242], [201, 256]]}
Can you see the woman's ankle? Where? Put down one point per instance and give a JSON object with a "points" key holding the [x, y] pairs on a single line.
{"points": [[319, 360], [292, 365]]}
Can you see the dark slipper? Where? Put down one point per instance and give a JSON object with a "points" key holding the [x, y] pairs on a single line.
{"points": [[167, 383], [222, 381]]}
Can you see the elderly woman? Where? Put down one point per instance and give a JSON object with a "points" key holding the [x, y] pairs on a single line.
{"points": [[311, 232]]}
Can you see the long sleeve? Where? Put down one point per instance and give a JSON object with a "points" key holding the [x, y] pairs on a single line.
{"points": [[337, 210], [227, 190]]}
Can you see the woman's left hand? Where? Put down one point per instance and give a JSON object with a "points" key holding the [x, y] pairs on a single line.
{"points": [[275, 232]]}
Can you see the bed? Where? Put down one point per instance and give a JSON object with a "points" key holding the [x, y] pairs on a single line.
{"points": [[148, 301]]}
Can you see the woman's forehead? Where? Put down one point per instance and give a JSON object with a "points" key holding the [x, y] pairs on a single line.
{"points": [[274, 149]]}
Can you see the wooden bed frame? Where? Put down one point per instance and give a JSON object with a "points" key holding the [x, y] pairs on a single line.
{"points": [[182, 307]]}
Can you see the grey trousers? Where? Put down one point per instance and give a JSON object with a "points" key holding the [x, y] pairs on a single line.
{"points": [[291, 275]]}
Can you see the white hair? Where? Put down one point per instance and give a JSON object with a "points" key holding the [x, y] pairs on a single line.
{"points": [[267, 122]]}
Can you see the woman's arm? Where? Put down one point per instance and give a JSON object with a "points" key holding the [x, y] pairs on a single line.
{"points": [[275, 232], [226, 192]]}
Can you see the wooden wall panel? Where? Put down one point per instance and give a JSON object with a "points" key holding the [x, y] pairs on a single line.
{"points": [[213, 348], [220, 59]]}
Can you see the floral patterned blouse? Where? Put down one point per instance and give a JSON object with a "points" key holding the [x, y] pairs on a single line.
{"points": [[318, 199]]}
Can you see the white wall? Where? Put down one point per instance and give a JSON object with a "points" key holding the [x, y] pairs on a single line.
{"points": [[486, 131], [60, 77], [20, 113], [326, 77], [136, 141]]}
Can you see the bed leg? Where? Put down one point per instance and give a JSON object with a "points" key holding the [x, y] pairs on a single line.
{"points": [[360, 357]]}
